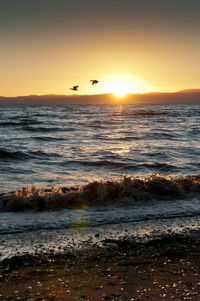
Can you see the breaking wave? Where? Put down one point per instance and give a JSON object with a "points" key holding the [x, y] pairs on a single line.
{"points": [[124, 190]]}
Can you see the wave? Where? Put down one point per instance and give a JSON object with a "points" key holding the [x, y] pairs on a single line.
{"points": [[50, 129], [126, 189], [46, 138], [163, 167], [43, 155], [128, 138], [103, 163], [144, 137], [20, 122], [97, 163], [113, 162], [20, 155], [139, 113], [17, 155], [29, 128]]}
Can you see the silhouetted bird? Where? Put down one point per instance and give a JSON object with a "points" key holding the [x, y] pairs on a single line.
{"points": [[94, 81], [75, 88]]}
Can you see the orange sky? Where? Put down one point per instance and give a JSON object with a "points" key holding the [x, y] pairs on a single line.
{"points": [[48, 46]]}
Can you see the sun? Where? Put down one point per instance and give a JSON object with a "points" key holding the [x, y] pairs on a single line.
{"points": [[120, 87], [122, 84]]}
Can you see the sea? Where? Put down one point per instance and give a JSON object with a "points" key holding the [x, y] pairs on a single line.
{"points": [[78, 176]]}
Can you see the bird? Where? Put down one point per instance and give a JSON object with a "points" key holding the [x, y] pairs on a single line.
{"points": [[75, 88], [94, 81]]}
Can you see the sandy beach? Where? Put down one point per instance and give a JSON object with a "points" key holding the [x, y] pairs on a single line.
{"points": [[166, 268]]}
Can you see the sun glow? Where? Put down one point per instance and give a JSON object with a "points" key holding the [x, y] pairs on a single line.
{"points": [[122, 84], [120, 87]]}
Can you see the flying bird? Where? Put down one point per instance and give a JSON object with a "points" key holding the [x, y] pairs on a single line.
{"points": [[75, 88], [94, 81]]}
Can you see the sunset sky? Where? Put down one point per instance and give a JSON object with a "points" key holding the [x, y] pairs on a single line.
{"points": [[47, 46]]}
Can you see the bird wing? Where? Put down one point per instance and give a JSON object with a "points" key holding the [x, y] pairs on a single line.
{"points": [[94, 81]]}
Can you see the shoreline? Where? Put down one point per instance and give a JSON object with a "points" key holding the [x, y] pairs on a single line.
{"points": [[165, 268]]}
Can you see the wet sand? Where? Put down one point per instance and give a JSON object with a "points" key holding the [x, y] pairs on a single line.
{"points": [[167, 268]]}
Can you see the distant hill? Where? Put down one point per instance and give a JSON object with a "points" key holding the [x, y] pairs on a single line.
{"points": [[184, 96], [189, 91]]}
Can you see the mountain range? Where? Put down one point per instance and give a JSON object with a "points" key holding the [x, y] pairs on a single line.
{"points": [[183, 96]]}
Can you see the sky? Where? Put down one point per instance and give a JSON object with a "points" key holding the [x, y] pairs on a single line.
{"points": [[136, 46]]}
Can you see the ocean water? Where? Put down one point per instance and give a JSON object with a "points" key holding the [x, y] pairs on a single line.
{"points": [[117, 146]]}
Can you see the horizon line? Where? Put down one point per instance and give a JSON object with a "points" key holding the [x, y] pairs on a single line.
{"points": [[190, 90]]}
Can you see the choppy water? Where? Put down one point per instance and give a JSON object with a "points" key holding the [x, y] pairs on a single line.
{"points": [[71, 145]]}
